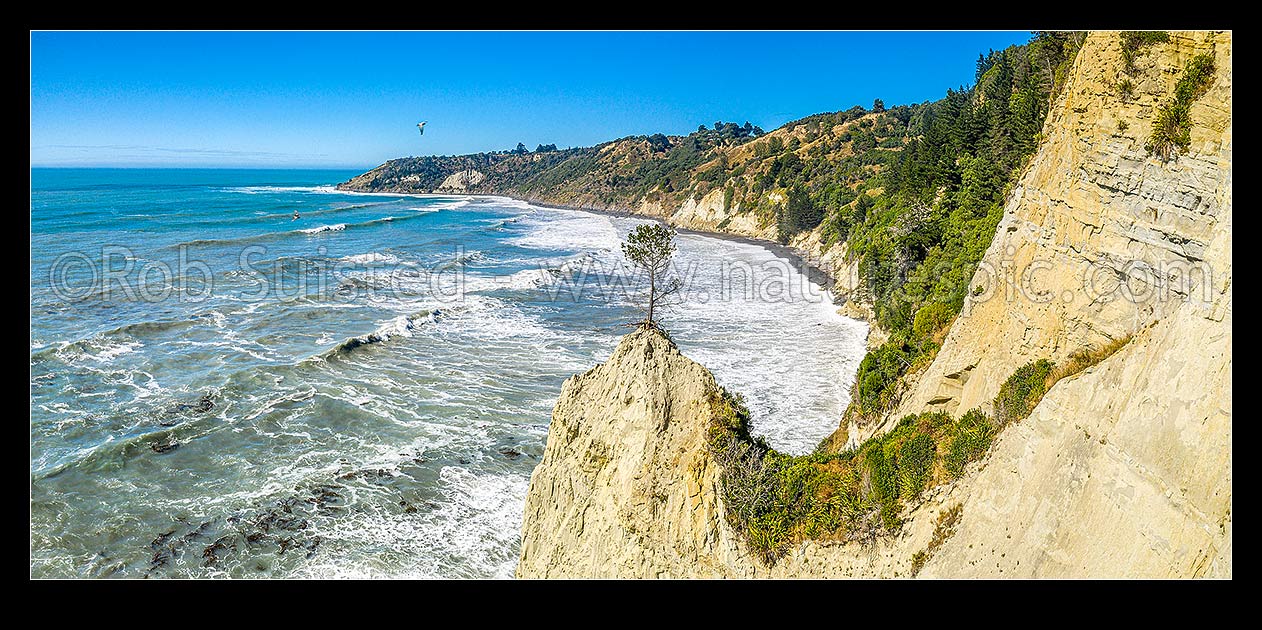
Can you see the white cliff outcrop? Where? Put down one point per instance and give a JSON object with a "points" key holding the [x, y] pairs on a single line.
{"points": [[626, 487], [461, 181]]}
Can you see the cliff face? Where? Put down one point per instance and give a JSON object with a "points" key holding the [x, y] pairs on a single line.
{"points": [[1122, 470], [1125, 469], [1098, 239]]}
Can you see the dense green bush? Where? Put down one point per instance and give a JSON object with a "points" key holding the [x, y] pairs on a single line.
{"points": [[877, 376], [1172, 129], [973, 437], [930, 318], [915, 464], [776, 500], [1022, 391], [800, 213]]}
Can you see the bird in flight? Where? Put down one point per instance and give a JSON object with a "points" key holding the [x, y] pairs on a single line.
{"points": [[421, 126]]}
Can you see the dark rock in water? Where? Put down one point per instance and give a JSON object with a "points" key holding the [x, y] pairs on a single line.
{"points": [[159, 559], [509, 452], [196, 533], [366, 474], [165, 446], [312, 545], [324, 497], [463, 461], [210, 554], [204, 404], [161, 550], [161, 539]]}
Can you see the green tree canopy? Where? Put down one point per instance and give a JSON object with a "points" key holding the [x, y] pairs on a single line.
{"points": [[650, 247]]}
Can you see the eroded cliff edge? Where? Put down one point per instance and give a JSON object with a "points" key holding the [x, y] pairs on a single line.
{"points": [[626, 487], [1122, 470]]}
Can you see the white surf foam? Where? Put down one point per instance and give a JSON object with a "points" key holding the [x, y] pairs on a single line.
{"points": [[472, 533], [567, 230], [256, 190], [369, 258], [336, 227]]}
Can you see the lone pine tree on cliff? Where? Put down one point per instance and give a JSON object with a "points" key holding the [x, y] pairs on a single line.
{"points": [[650, 247]]}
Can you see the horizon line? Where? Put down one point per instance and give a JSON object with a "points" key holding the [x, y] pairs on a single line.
{"points": [[202, 168]]}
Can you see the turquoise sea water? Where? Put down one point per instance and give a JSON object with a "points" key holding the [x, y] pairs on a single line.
{"points": [[220, 389]]}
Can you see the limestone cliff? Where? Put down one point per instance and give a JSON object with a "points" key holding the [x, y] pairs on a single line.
{"points": [[461, 181], [625, 487], [1125, 469], [1122, 470]]}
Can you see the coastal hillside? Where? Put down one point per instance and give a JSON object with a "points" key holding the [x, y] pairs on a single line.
{"points": [[1072, 418], [874, 195]]}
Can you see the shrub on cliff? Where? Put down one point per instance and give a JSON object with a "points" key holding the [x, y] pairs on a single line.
{"points": [[1172, 128], [776, 500], [1022, 391], [972, 438]]}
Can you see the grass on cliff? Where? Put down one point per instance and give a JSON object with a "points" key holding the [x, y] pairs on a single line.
{"points": [[776, 500], [1025, 388], [1134, 43], [1086, 358], [943, 529], [1172, 129]]}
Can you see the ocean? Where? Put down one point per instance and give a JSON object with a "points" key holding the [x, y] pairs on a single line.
{"points": [[220, 389]]}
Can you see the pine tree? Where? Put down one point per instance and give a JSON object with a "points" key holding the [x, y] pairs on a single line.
{"points": [[651, 247]]}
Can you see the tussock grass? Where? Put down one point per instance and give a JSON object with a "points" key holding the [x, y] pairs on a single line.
{"points": [[1084, 359], [942, 531], [1134, 43]]}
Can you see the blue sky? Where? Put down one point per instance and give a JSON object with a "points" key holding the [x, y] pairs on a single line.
{"points": [[295, 99]]}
